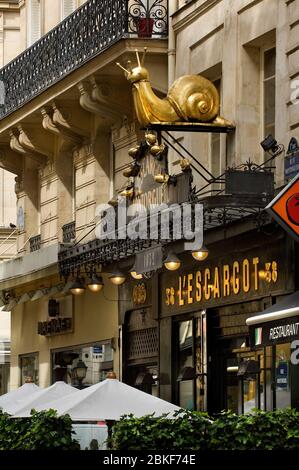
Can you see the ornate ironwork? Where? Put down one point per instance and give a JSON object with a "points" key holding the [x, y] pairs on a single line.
{"points": [[148, 17], [69, 232], [35, 243], [86, 33]]}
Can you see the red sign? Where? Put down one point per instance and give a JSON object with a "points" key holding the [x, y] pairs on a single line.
{"points": [[285, 208]]}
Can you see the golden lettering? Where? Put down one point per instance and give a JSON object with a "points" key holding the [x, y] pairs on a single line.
{"points": [[198, 292], [180, 293], [226, 283], [236, 277], [246, 276], [216, 287], [207, 287], [255, 263], [189, 289]]}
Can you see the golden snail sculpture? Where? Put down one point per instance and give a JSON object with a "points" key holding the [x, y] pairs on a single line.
{"points": [[191, 98]]}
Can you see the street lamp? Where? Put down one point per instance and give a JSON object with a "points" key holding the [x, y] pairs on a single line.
{"points": [[117, 278], [80, 372], [201, 255]]}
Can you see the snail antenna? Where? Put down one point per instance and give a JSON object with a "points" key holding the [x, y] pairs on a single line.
{"points": [[143, 57], [121, 67], [138, 58]]}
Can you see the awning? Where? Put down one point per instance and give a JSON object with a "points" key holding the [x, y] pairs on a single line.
{"points": [[276, 324]]}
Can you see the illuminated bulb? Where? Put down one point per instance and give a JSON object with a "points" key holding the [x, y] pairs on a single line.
{"points": [[201, 254], [117, 278], [96, 284], [136, 276], [172, 262], [78, 287]]}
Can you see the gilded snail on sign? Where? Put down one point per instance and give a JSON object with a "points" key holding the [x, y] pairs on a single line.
{"points": [[191, 98]]}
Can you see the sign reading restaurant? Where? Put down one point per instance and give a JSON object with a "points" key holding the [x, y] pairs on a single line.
{"points": [[222, 281], [279, 331]]}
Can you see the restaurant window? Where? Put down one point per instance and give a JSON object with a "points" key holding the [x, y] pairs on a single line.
{"points": [[283, 375], [29, 368], [96, 357], [190, 363], [269, 67]]}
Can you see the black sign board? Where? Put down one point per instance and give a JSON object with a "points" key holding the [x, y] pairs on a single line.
{"points": [[55, 326], [149, 260], [274, 332]]}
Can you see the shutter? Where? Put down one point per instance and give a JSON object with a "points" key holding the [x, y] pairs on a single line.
{"points": [[34, 21], [68, 7]]}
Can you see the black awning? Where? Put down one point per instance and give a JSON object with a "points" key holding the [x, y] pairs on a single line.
{"points": [[276, 324]]}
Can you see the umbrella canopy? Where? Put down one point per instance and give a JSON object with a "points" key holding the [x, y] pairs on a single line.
{"points": [[109, 400], [26, 391], [41, 398]]}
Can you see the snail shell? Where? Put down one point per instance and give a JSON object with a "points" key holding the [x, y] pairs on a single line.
{"points": [[194, 98]]}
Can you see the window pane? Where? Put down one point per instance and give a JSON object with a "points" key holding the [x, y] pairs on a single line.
{"points": [[269, 101], [185, 359], [29, 369], [282, 373], [269, 63]]}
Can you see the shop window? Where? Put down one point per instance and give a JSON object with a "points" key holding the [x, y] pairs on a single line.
{"points": [[282, 376], [83, 366], [190, 364], [29, 368], [269, 66], [34, 21]]}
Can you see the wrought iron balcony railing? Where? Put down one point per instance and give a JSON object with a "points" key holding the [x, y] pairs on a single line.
{"points": [[80, 37], [35, 243], [69, 232]]}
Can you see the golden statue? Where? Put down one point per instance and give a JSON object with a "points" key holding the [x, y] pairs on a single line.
{"points": [[191, 98]]}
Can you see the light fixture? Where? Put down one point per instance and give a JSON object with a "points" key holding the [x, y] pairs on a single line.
{"points": [[78, 287], [270, 144], [135, 275], [117, 278], [96, 283], [172, 262], [201, 255]]}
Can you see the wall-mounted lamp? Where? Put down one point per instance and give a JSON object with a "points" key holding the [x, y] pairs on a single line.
{"points": [[117, 278], [172, 262], [78, 287], [201, 255], [96, 283]]}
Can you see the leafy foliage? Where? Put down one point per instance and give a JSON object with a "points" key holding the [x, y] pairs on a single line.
{"points": [[196, 431], [43, 431]]}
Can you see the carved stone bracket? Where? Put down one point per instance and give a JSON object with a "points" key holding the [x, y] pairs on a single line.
{"points": [[21, 143], [55, 122]]}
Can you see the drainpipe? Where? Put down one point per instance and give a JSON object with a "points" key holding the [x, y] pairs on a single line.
{"points": [[172, 8]]}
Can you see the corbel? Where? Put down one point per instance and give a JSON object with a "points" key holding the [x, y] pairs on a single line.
{"points": [[30, 146], [101, 94], [68, 129], [10, 160], [17, 145]]}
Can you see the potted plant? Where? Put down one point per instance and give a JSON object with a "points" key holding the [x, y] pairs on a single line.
{"points": [[145, 26]]}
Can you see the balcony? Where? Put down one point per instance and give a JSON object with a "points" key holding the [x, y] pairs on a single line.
{"points": [[69, 232], [35, 243], [85, 34]]}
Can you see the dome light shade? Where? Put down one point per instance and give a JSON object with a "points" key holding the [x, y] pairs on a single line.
{"points": [[201, 255], [117, 278], [95, 284], [172, 262], [78, 287]]}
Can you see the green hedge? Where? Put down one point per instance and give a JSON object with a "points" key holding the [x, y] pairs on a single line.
{"points": [[196, 431], [43, 431]]}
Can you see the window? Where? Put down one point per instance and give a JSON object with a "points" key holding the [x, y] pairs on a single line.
{"points": [[191, 363], [269, 64], [97, 357], [67, 8], [34, 21], [29, 368]]}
